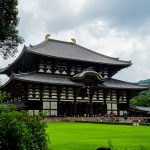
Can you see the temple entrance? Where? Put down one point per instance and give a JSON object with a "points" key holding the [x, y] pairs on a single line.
{"points": [[83, 109], [80, 109], [99, 109], [72, 109], [66, 109]]}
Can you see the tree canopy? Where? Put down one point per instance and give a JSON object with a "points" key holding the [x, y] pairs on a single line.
{"points": [[19, 130], [143, 99], [22, 131], [9, 35], [147, 81]]}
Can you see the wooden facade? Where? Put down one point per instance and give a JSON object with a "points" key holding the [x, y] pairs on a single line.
{"points": [[40, 80]]}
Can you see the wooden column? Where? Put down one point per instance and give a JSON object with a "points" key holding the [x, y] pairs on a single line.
{"points": [[87, 107], [75, 91], [26, 91], [91, 93], [105, 94], [91, 106], [59, 89], [118, 94], [41, 95]]}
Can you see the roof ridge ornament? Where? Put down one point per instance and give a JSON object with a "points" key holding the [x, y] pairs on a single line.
{"points": [[87, 74], [47, 37], [74, 41]]}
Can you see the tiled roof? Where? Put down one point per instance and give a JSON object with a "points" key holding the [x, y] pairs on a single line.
{"points": [[143, 108], [140, 109], [65, 80], [46, 78], [68, 50], [114, 83]]}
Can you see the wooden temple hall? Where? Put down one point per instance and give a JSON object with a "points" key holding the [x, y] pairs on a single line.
{"points": [[64, 78]]}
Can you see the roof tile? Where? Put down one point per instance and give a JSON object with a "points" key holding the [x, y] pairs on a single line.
{"points": [[68, 50]]}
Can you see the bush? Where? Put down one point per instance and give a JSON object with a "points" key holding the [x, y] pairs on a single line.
{"points": [[21, 131], [4, 96]]}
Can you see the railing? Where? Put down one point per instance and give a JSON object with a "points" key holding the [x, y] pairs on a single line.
{"points": [[101, 119]]}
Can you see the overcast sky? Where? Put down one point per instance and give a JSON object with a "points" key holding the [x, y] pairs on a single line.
{"points": [[118, 28]]}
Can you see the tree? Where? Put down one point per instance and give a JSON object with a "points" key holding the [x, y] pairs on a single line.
{"points": [[3, 96], [20, 130], [9, 35], [143, 99], [147, 81]]}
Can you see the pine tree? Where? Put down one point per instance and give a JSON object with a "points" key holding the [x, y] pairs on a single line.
{"points": [[9, 35]]}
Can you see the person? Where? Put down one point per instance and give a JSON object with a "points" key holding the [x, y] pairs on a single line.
{"points": [[65, 115], [125, 115]]}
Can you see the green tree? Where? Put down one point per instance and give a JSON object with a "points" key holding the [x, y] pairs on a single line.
{"points": [[9, 35], [3, 96], [147, 81], [143, 99], [22, 131]]}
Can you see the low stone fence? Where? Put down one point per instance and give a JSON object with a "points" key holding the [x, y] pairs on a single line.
{"points": [[98, 119]]}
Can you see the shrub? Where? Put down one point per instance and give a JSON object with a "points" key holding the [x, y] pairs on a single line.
{"points": [[4, 96], [21, 131]]}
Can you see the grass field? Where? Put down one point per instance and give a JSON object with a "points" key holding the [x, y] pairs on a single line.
{"points": [[84, 136]]}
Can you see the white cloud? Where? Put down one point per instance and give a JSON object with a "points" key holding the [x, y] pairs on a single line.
{"points": [[109, 27], [116, 43]]}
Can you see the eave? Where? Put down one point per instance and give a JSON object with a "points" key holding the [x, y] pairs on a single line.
{"points": [[3, 70], [66, 81], [68, 51]]}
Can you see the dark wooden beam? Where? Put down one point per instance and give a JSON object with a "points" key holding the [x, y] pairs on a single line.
{"points": [[75, 93]]}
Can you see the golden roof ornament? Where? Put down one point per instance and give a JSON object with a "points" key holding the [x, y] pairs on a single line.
{"points": [[73, 40], [47, 37]]}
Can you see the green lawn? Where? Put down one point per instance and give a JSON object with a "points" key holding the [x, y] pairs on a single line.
{"points": [[86, 136]]}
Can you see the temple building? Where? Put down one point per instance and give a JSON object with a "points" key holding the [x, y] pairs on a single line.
{"points": [[59, 77]]}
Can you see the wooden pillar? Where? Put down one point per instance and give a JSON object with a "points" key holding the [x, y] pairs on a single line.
{"points": [[118, 94], [105, 94], [41, 92], [41, 95], [91, 107], [75, 92], [59, 89], [91, 92], [26, 92], [87, 107], [72, 109]]}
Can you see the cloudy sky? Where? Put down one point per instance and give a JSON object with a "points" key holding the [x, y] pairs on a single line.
{"points": [[118, 28]]}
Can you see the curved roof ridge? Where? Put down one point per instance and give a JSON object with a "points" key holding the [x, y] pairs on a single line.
{"points": [[9, 65], [37, 45], [117, 58], [84, 48], [82, 75], [22, 74], [46, 41]]}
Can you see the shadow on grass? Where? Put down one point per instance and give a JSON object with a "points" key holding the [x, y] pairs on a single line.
{"points": [[111, 147]]}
